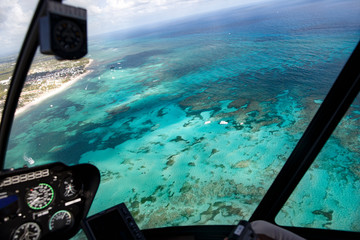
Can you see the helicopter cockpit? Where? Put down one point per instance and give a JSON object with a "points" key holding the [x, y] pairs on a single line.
{"points": [[199, 115]]}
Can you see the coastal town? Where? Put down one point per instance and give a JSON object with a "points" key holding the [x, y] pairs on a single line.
{"points": [[45, 76]]}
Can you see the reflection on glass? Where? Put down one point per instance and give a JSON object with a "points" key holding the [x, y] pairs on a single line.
{"points": [[329, 194]]}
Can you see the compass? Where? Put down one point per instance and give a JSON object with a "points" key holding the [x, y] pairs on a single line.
{"points": [[63, 31], [68, 35]]}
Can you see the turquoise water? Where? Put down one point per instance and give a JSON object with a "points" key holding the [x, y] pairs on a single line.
{"points": [[149, 114], [328, 196]]}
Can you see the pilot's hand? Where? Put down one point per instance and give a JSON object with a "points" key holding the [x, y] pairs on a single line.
{"points": [[259, 237]]}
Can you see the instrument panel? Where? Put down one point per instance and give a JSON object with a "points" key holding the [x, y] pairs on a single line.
{"points": [[46, 202]]}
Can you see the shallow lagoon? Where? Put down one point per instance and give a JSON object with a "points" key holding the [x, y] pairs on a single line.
{"points": [[149, 116]]}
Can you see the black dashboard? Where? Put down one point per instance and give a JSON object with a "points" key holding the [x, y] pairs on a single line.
{"points": [[46, 202]]}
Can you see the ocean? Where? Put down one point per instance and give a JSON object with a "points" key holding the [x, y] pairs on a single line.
{"points": [[190, 122]]}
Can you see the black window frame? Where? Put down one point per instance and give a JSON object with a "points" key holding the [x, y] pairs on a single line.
{"points": [[336, 103], [339, 99]]}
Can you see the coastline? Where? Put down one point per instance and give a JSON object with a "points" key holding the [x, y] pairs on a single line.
{"points": [[55, 91]]}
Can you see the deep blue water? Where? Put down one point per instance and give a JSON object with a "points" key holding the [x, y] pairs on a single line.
{"points": [[149, 116]]}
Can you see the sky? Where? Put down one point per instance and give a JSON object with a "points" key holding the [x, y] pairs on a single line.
{"points": [[105, 15]]}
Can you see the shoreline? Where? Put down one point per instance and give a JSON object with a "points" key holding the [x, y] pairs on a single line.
{"points": [[42, 97]]}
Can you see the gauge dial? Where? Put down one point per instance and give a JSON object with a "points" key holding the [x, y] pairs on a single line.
{"points": [[69, 188], [68, 35], [60, 220], [40, 197], [28, 231]]}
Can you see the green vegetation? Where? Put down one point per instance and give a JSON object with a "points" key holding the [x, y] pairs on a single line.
{"points": [[7, 66], [45, 74]]}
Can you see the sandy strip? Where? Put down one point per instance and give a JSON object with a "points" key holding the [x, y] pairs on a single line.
{"points": [[55, 91]]}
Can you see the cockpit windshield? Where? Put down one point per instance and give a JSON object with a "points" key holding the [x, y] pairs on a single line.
{"points": [[189, 109]]}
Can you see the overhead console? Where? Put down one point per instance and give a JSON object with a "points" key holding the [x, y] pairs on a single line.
{"points": [[46, 202]]}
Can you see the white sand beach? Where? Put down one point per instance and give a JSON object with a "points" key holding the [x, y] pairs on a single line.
{"points": [[53, 92]]}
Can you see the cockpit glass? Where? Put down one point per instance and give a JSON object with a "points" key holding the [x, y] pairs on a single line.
{"points": [[15, 18], [188, 108], [328, 196]]}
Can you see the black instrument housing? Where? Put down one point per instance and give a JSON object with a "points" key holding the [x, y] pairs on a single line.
{"points": [[19, 182]]}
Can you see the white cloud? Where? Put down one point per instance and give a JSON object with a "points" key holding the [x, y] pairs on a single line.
{"points": [[110, 15], [14, 20], [104, 16]]}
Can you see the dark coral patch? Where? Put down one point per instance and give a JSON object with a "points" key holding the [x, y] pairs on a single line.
{"points": [[213, 151], [117, 110], [328, 214], [170, 160], [179, 139]]}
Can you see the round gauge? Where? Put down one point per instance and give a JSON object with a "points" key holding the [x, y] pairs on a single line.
{"points": [[60, 220], [39, 197], [28, 231], [68, 35], [69, 188]]}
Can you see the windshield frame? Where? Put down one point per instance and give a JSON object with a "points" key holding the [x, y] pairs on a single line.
{"points": [[328, 116], [339, 99], [23, 63]]}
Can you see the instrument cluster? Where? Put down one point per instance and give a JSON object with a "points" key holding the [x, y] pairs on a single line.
{"points": [[46, 202]]}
